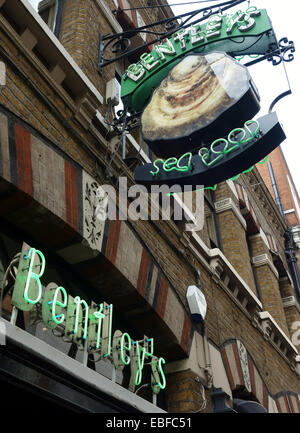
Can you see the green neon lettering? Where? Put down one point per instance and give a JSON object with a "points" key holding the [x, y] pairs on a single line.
{"points": [[148, 61], [99, 315], [213, 188], [236, 144], [135, 72], [141, 359], [235, 177], [161, 384], [60, 300], [110, 309], [59, 319], [79, 301], [174, 164], [252, 134], [125, 359], [185, 167], [251, 56], [33, 276], [138, 376], [166, 48], [217, 152], [249, 169], [169, 163], [204, 156], [158, 169], [265, 160], [204, 153]]}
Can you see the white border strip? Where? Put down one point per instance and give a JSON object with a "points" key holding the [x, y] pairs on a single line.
{"points": [[39, 348]]}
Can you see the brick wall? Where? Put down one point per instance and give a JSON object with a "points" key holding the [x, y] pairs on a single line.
{"points": [[233, 238], [281, 172]]}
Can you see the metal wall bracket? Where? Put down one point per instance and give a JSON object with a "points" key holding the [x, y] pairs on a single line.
{"points": [[120, 43]]}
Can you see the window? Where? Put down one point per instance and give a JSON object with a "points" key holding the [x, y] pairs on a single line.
{"points": [[51, 12], [211, 219], [47, 12]]}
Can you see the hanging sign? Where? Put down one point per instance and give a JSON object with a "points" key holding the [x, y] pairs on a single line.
{"points": [[248, 32], [221, 160], [90, 327], [201, 96]]}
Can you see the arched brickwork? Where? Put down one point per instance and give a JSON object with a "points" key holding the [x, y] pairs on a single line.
{"points": [[243, 374]]}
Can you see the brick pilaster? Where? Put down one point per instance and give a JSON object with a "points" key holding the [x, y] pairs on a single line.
{"points": [[268, 282], [232, 228], [184, 393]]}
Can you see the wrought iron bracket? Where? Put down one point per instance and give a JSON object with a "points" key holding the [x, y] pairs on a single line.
{"points": [[277, 54], [119, 44]]}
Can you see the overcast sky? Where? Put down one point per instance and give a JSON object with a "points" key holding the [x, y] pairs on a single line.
{"points": [[271, 80]]}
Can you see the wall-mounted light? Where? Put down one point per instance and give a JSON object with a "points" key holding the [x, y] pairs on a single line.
{"points": [[197, 304]]}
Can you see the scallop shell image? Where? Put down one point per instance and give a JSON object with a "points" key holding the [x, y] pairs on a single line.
{"points": [[202, 98]]}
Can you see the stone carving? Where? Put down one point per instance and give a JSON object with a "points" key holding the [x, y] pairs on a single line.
{"points": [[93, 205], [244, 364]]}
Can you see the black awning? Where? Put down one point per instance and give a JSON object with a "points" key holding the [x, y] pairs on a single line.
{"points": [[245, 406]]}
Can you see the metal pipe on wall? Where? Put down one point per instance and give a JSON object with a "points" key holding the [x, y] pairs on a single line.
{"points": [[288, 237]]}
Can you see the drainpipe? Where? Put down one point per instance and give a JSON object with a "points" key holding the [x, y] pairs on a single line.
{"points": [[288, 238], [275, 189], [58, 17], [208, 366], [292, 260]]}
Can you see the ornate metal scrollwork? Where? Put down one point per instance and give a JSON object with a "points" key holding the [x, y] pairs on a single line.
{"points": [[119, 44], [289, 47], [207, 13], [124, 119], [282, 53], [277, 53], [171, 24]]}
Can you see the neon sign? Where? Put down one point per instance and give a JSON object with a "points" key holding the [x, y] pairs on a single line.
{"points": [[234, 137], [225, 158], [89, 326], [219, 33]]}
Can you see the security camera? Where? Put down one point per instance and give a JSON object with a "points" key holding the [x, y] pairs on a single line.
{"points": [[197, 304]]}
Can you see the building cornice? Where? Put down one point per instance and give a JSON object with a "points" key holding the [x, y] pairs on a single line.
{"points": [[85, 99], [278, 339], [228, 204], [264, 199], [290, 301], [263, 259]]}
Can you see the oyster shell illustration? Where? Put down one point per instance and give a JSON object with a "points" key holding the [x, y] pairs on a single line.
{"points": [[201, 99]]}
